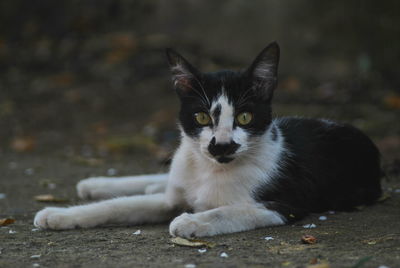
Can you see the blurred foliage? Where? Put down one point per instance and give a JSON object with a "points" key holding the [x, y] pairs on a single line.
{"points": [[68, 65]]}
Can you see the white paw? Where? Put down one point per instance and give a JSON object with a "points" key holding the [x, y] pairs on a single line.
{"points": [[188, 225], [55, 218], [93, 188]]}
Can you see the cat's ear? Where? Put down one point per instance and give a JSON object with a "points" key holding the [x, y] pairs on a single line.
{"points": [[264, 70], [183, 73]]}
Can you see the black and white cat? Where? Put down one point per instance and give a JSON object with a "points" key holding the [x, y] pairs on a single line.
{"points": [[236, 168]]}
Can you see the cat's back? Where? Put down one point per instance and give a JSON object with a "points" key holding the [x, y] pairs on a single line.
{"points": [[336, 163]]}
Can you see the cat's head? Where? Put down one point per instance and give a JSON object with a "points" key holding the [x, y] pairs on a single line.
{"points": [[224, 113]]}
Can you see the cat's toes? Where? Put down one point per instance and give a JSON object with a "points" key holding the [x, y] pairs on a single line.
{"points": [[93, 188], [188, 226], [54, 218]]}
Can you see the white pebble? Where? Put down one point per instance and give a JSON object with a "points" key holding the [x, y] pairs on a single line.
{"points": [[190, 265], [2, 196], [309, 226], [202, 250], [12, 232], [224, 255], [35, 229], [36, 256], [383, 266], [323, 218], [268, 238], [36, 265], [29, 171], [138, 232], [111, 172]]}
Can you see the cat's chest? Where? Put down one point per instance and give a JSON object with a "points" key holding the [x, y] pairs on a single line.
{"points": [[211, 189]]}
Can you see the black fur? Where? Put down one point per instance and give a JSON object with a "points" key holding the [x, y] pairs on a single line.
{"points": [[326, 165]]}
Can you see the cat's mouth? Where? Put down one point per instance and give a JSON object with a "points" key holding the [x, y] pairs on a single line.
{"points": [[224, 159]]}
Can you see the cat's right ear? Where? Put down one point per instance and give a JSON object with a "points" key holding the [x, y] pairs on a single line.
{"points": [[183, 73]]}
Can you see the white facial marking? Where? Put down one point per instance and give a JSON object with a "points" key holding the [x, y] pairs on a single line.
{"points": [[223, 131]]}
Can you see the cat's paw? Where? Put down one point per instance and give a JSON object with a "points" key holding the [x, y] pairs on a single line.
{"points": [[55, 218], [93, 188], [189, 226]]}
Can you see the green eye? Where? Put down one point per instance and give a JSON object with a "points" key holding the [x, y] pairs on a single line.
{"points": [[244, 118], [202, 118]]}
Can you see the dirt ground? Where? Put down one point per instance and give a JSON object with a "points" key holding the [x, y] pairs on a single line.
{"points": [[369, 237]]}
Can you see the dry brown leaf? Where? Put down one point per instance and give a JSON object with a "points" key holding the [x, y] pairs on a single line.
{"points": [[308, 239], [49, 198], [191, 243], [392, 102], [23, 144], [6, 221]]}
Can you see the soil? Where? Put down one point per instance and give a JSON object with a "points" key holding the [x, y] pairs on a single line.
{"points": [[369, 236]]}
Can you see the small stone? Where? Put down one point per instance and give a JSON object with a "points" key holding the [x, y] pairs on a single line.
{"points": [[36, 265], [224, 255], [2, 196], [268, 238], [397, 191], [112, 172], [35, 229], [331, 212], [202, 250], [29, 171], [190, 265], [12, 232], [309, 226], [138, 232], [323, 218], [36, 256]]}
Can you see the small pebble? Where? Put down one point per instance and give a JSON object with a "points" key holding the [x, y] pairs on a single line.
{"points": [[268, 238], [397, 191], [36, 265], [383, 266], [35, 256], [111, 172], [309, 226], [190, 265], [35, 229], [12, 232], [202, 250], [331, 212], [224, 255], [322, 218], [29, 171], [2, 196], [138, 232]]}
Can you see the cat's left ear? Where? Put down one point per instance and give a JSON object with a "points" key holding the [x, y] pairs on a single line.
{"points": [[263, 72], [183, 73]]}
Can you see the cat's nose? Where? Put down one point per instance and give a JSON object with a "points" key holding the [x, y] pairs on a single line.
{"points": [[222, 149]]}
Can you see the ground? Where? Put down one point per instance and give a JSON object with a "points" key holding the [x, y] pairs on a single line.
{"points": [[367, 237]]}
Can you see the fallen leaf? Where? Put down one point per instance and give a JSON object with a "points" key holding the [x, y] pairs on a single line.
{"points": [[191, 243], [7, 221], [392, 102], [308, 239], [49, 198], [23, 144]]}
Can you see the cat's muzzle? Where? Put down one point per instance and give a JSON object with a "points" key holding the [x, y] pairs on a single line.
{"points": [[223, 152]]}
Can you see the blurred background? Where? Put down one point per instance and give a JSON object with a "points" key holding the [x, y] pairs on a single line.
{"points": [[90, 78]]}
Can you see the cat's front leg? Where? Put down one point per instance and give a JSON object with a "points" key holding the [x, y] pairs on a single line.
{"points": [[106, 187], [222, 220], [124, 210]]}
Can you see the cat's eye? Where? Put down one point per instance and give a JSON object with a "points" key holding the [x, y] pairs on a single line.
{"points": [[202, 118], [244, 118]]}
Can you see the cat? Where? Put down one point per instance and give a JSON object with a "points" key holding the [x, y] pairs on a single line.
{"points": [[236, 168]]}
